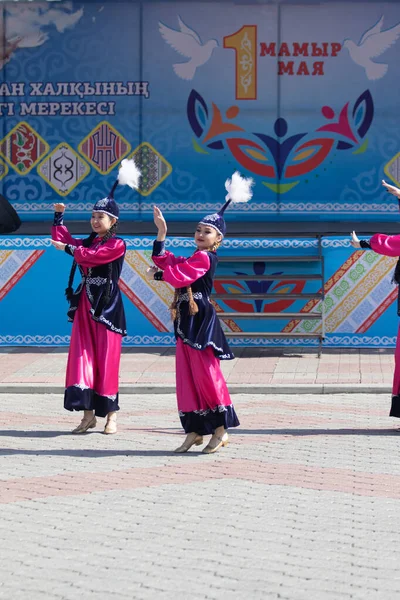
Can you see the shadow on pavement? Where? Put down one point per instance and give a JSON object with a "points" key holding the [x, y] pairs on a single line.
{"points": [[89, 453], [306, 432]]}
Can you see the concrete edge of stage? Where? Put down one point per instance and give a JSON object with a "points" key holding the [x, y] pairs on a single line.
{"points": [[266, 389]]}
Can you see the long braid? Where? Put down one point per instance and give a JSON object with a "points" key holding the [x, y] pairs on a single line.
{"points": [[106, 298], [173, 305], [193, 308], [109, 234], [69, 292]]}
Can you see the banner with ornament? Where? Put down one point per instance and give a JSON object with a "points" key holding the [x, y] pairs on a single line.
{"points": [[301, 97], [359, 307]]}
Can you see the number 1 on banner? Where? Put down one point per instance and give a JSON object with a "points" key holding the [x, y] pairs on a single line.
{"points": [[244, 42]]}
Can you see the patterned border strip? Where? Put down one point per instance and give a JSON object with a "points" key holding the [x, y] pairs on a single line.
{"points": [[142, 307], [24, 268], [343, 341], [177, 242], [327, 287], [378, 312], [259, 209]]}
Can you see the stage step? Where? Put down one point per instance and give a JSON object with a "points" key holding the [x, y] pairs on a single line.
{"points": [[247, 315], [299, 277], [268, 259], [271, 334], [241, 296]]}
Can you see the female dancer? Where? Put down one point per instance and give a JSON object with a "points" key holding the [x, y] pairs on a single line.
{"points": [[204, 404], [96, 310], [388, 245]]}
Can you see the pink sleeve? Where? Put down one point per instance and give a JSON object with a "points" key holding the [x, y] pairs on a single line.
{"points": [[185, 273], [167, 260], [388, 245], [100, 254], [162, 258], [59, 233]]}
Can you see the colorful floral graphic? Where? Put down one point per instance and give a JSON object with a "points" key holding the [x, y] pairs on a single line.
{"points": [[23, 148], [281, 159], [259, 287]]}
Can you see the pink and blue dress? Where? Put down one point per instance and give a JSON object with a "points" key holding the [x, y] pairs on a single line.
{"points": [[203, 399], [389, 245], [98, 325]]}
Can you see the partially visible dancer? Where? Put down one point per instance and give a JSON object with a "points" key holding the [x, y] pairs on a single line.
{"points": [[96, 309], [388, 245], [204, 403]]}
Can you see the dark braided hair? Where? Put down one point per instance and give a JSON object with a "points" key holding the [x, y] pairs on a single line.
{"points": [[69, 292], [109, 234]]}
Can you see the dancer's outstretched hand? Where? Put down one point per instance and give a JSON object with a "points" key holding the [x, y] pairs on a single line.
{"points": [[59, 207], [150, 272], [160, 223], [355, 242], [391, 189], [58, 245], [159, 219]]}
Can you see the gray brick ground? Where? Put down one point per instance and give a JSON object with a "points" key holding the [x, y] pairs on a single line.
{"points": [[303, 504]]}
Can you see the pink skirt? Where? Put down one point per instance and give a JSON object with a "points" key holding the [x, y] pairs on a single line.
{"points": [[93, 364], [395, 408], [203, 399]]}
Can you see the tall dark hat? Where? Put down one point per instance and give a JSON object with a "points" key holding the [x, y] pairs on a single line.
{"points": [[239, 190], [128, 174]]}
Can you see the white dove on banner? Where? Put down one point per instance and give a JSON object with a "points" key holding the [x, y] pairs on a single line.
{"points": [[23, 26], [373, 43], [188, 43]]}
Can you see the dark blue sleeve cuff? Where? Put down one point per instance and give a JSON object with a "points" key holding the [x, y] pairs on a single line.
{"points": [[158, 275], [70, 249], [58, 218], [365, 245], [158, 248]]}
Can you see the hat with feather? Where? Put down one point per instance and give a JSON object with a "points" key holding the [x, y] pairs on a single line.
{"points": [[239, 190], [128, 174]]}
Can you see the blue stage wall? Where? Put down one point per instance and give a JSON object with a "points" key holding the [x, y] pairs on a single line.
{"points": [[360, 303]]}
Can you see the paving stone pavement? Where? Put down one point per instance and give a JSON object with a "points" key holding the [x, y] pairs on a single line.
{"points": [[303, 504], [270, 366]]}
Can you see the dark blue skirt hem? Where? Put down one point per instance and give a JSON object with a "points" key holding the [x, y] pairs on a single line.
{"points": [[77, 399], [206, 424], [395, 408]]}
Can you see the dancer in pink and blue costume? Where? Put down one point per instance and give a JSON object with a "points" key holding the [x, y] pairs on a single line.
{"points": [[388, 245], [204, 403], [96, 310]]}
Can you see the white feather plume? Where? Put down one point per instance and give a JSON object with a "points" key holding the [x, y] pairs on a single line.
{"points": [[239, 188], [129, 174]]}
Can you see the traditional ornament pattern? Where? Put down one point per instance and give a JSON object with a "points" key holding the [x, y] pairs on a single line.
{"points": [[14, 264], [355, 296], [392, 169], [154, 167], [63, 169], [244, 43], [23, 148], [151, 298], [3, 169], [104, 148]]}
